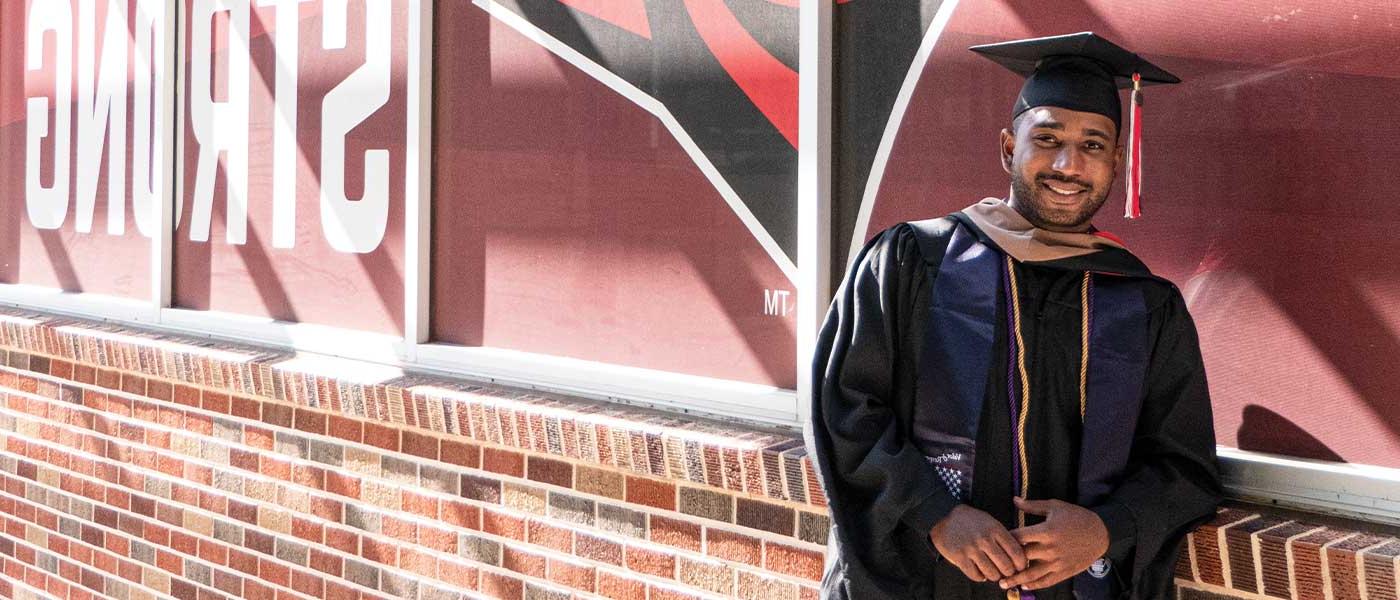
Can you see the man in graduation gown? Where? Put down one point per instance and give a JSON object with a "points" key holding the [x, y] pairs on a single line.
{"points": [[1007, 403]]}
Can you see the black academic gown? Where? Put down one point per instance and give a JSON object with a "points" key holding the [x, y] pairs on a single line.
{"points": [[885, 497]]}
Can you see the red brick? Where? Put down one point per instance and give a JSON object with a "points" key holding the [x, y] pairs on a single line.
{"points": [[169, 561], [201, 424], [461, 514], [733, 546], [461, 453], [258, 437], [496, 585], [346, 428], [256, 590], [243, 561], [309, 584], [417, 561], [549, 536], [460, 575], [187, 395], [258, 541], [650, 492], [673, 532], [600, 549], [399, 529], [651, 562], [419, 444], [382, 436], [553, 472], [215, 401], [797, 562], [307, 529], [309, 476], [527, 563], [339, 590], [1309, 578], [437, 538], [145, 411], [619, 587], [310, 421], [214, 552], [325, 562], [277, 414], [133, 384], [379, 551], [276, 468], [327, 508], [179, 588], [84, 373], [420, 504], [506, 462], [664, 593], [245, 407], [243, 459], [574, 575], [342, 539], [343, 484], [503, 525]]}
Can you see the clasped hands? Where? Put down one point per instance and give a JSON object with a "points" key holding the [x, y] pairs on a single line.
{"points": [[1038, 556]]}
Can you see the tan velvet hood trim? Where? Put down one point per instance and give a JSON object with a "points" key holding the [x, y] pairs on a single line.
{"points": [[1027, 243]]}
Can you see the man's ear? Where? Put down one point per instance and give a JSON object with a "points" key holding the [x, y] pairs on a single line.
{"points": [[1008, 148], [1120, 158]]}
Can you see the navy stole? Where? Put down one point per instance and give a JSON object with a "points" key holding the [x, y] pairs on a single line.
{"points": [[957, 352]]}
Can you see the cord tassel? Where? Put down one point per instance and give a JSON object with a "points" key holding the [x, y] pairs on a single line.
{"points": [[1134, 184]]}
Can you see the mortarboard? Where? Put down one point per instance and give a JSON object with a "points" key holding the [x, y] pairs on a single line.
{"points": [[1082, 71]]}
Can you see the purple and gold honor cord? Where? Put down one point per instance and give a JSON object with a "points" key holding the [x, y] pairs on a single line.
{"points": [[1018, 380]]}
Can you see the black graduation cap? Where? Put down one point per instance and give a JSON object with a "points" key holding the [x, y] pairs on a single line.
{"points": [[1082, 71]]}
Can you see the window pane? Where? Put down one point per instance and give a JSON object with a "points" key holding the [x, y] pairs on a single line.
{"points": [[81, 168], [298, 221], [573, 214]]}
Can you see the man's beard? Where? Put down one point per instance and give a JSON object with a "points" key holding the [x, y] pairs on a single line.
{"points": [[1030, 207]]}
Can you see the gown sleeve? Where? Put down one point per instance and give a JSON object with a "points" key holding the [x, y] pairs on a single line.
{"points": [[1172, 482], [874, 476]]}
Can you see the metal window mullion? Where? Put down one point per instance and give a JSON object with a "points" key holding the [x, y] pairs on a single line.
{"points": [[418, 177], [163, 246], [813, 185]]}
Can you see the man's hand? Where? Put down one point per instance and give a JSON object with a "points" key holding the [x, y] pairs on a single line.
{"points": [[977, 544], [1071, 538]]}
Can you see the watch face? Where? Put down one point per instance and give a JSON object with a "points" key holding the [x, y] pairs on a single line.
{"points": [[1100, 568]]}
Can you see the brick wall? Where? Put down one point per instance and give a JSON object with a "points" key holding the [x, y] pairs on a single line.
{"points": [[142, 465]]}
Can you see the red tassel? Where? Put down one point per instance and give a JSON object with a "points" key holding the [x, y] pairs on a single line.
{"points": [[1134, 184]]}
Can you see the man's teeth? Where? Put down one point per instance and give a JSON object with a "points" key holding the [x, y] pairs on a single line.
{"points": [[1064, 191]]}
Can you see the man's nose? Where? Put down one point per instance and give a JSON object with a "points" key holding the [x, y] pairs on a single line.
{"points": [[1068, 160]]}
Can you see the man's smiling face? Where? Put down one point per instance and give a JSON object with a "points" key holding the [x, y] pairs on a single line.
{"points": [[1062, 164]]}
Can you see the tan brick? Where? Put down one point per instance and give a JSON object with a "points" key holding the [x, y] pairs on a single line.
{"points": [[753, 586], [601, 482], [712, 576]]}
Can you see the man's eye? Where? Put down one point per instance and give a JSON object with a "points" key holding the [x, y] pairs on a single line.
{"points": [[1094, 146], [1046, 139]]}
